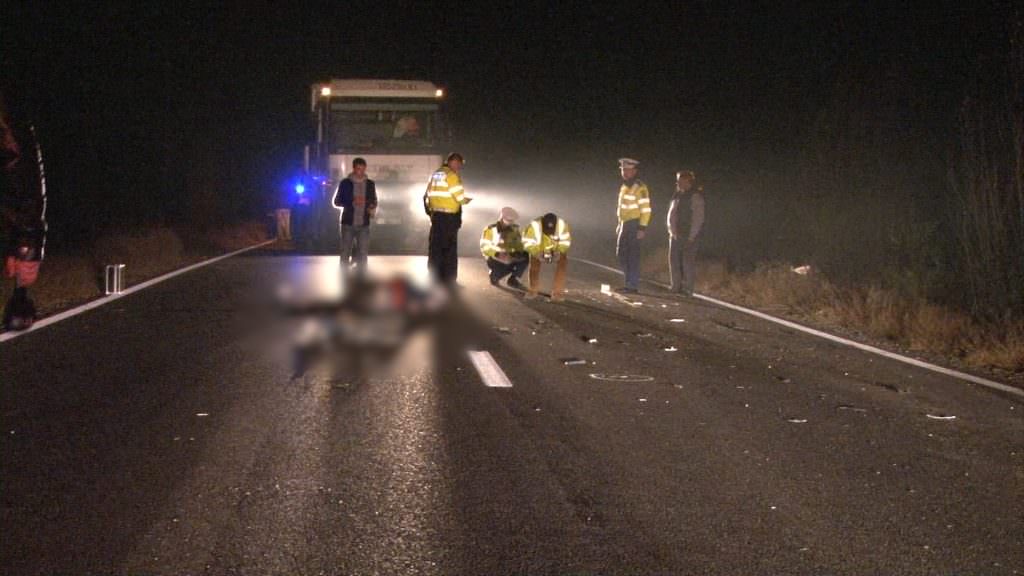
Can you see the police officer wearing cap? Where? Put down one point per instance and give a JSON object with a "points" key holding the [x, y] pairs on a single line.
{"points": [[443, 202], [634, 213], [501, 244], [546, 239]]}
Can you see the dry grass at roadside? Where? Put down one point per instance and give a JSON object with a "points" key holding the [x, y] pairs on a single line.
{"points": [[908, 322], [145, 253], [68, 279]]}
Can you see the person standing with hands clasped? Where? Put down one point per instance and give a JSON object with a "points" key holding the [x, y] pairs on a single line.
{"points": [[634, 213], [685, 224], [357, 199]]}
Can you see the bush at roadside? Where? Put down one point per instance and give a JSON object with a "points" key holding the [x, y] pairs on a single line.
{"points": [[900, 317], [69, 279]]}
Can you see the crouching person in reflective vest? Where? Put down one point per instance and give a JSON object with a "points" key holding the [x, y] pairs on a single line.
{"points": [[502, 245], [547, 239]]}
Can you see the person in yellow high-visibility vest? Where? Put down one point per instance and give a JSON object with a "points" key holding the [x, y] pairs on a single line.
{"points": [[634, 213], [546, 239], [501, 244], [443, 202]]}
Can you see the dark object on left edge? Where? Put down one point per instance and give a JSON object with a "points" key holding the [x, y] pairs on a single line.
{"points": [[22, 209]]}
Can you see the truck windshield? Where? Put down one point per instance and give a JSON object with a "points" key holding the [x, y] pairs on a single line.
{"points": [[383, 126]]}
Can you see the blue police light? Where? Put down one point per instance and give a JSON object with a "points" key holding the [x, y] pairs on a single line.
{"points": [[300, 188]]}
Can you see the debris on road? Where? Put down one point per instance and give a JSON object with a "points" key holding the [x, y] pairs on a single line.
{"points": [[783, 379], [797, 420], [588, 339], [643, 334], [504, 329], [670, 349], [202, 414], [573, 361], [941, 416], [622, 377], [731, 325], [642, 399], [677, 320], [851, 408], [606, 289]]}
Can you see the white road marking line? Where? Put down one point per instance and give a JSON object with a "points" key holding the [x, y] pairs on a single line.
{"points": [[492, 374], [601, 266], [840, 340], [108, 299]]}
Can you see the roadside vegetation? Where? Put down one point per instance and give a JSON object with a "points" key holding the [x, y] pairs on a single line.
{"points": [[73, 276], [906, 204], [876, 313]]}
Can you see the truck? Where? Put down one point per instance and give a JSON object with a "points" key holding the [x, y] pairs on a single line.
{"points": [[398, 126]]}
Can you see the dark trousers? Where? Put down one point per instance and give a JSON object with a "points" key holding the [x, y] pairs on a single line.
{"points": [[627, 248], [443, 251], [682, 264], [500, 269]]}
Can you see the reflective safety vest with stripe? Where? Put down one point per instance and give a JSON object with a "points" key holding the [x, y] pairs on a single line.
{"points": [[634, 202], [537, 242], [444, 191], [493, 241]]}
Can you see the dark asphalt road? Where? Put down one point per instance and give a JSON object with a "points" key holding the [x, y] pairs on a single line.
{"points": [[161, 434]]}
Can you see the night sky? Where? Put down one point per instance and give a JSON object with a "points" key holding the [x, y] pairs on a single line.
{"points": [[126, 98]]}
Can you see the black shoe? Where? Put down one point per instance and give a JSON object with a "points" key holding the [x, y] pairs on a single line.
{"points": [[514, 282], [494, 281], [20, 311]]}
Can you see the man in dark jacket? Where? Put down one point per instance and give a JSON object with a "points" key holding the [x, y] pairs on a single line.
{"points": [[357, 199], [685, 224], [22, 213]]}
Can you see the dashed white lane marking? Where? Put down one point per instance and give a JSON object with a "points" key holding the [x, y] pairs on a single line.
{"points": [[891, 355], [108, 299], [492, 374]]}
